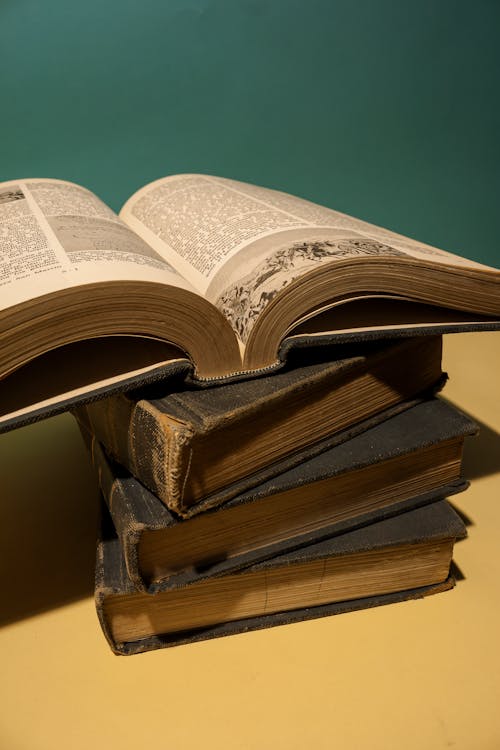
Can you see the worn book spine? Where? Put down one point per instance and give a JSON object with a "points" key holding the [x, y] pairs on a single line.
{"points": [[432, 523], [156, 439]]}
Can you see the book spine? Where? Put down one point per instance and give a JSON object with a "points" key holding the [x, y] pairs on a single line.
{"points": [[120, 510], [152, 446], [160, 450]]}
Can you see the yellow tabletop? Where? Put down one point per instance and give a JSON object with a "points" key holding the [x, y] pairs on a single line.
{"points": [[421, 674]]}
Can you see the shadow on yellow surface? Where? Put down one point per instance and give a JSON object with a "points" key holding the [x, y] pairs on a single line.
{"points": [[48, 519], [482, 453]]}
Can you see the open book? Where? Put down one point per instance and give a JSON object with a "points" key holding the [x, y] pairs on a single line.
{"points": [[204, 269]]}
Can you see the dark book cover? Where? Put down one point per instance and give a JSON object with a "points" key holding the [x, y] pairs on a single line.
{"points": [[432, 523], [294, 351], [182, 445], [428, 426]]}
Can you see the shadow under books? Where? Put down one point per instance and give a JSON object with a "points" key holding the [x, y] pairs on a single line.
{"points": [[482, 452], [48, 512]]}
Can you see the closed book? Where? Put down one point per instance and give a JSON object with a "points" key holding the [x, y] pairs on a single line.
{"points": [[407, 461], [404, 557], [194, 449]]}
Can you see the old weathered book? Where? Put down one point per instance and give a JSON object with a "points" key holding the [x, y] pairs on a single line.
{"points": [[404, 557], [203, 272], [194, 447], [409, 460]]}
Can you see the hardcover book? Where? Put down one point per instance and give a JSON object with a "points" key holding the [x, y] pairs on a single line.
{"points": [[409, 460], [204, 272], [404, 557], [182, 446]]}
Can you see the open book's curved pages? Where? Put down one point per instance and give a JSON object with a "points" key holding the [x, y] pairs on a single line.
{"points": [[206, 272]]}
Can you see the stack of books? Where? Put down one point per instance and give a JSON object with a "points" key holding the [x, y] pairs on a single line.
{"points": [[313, 491], [271, 446]]}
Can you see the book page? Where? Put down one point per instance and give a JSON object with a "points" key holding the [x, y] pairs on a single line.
{"points": [[54, 235], [209, 227], [250, 281], [198, 222]]}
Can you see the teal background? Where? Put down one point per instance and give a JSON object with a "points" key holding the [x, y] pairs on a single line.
{"points": [[385, 109]]}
